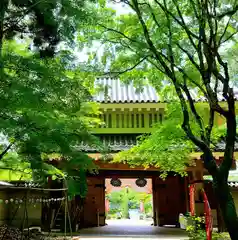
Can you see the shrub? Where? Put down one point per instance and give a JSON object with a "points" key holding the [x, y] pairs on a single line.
{"points": [[197, 231]]}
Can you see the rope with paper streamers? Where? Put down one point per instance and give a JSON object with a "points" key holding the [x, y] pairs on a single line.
{"points": [[31, 200]]}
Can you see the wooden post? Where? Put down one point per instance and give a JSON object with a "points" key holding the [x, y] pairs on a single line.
{"points": [[186, 193], [98, 217], [198, 180]]}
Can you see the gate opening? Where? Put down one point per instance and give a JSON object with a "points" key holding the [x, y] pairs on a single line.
{"points": [[129, 201]]}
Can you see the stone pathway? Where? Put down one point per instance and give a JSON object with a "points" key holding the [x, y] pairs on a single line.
{"points": [[132, 229]]}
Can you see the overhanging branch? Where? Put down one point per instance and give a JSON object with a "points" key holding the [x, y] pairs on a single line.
{"points": [[194, 111], [149, 41], [186, 125], [151, 12], [188, 32], [224, 32], [117, 73], [230, 37], [118, 32], [161, 70], [5, 151], [210, 124], [181, 70], [230, 12], [191, 58], [181, 23]]}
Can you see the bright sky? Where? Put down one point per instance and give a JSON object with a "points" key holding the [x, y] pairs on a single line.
{"points": [[83, 55]]}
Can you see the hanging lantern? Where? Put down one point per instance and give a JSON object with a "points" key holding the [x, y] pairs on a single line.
{"points": [[115, 182], [141, 182]]}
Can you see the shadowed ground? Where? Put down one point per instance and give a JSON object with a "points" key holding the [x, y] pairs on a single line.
{"points": [[132, 229]]}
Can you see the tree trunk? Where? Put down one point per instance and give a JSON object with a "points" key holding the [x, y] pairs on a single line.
{"points": [[227, 205], [75, 210], [3, 9]]}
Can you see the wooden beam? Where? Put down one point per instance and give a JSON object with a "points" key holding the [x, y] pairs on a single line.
{"points": [[102, 164]]}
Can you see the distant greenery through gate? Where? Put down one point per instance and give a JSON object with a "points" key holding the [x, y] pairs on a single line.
{"points": [[127, 200]]}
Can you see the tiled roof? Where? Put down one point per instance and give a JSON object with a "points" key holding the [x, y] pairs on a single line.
{"points": [[112, 143], [2, 183], [115, 91], [26, 184], [117, 142]]}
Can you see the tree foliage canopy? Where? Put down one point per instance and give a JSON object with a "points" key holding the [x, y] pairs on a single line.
{"points": [[46, 23], [181, 46], [46, 107], [167, 147]]}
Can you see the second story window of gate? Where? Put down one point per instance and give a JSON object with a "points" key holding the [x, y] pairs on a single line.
{"points": [[128, 120], [142, 120], [154, 118], [109, 124], [122, 121], [131, 120], [117, 121], [105, 120], [150, 120], [137, 120]]}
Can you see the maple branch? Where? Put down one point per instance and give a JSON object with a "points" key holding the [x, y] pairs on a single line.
{"points": [[4, 152], [194, 111], [188, 32], [161, 70], [118, 32], [149, 41], [228, 13], [224, 32], [151, 12], [228, 38], [128, 69], [181, 23], [191, 58], [210, 124]]}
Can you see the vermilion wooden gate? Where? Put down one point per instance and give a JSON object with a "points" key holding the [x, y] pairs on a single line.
{"points": [[94, 205], [169, 200]]}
